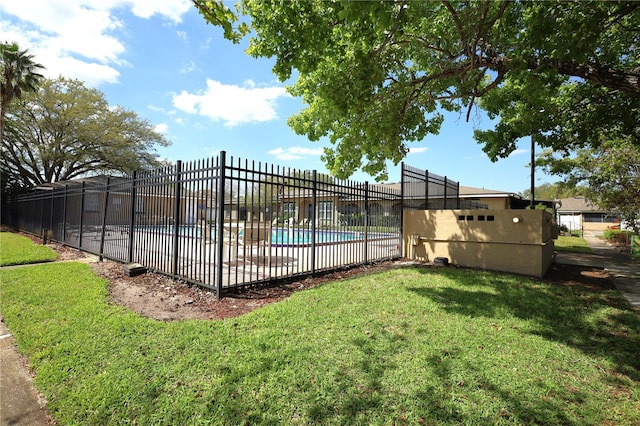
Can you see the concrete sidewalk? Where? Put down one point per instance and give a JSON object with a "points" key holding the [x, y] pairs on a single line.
{"points": [[19, 401], [624, 272]]}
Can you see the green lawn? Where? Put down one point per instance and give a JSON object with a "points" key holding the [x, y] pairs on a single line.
{"points": [[412, 345], [572, 244], [16, 250], [407, 346]]}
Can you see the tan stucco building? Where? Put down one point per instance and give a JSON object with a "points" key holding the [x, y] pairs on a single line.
{"points": [[517, 241]]}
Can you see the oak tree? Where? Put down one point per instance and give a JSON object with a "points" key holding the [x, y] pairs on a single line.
{"points": [[65, 130], [378, 75], [608, 175]]}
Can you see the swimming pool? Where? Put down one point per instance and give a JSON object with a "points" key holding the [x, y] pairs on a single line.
{"points": [[296, 236], [279, 236]]}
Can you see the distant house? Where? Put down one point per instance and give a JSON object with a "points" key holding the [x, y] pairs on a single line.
{"points": [[492, 199], [578, 213]]}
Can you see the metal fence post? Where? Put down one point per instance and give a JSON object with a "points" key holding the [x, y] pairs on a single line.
{"points": [[402, 204], [81, 215], [220, 222], [314, 207], [426, 189], [366, 221], [64, 214], [104, 218], [132, 216], [445, 192], [176, 219], [42, 228], [51, 212]]}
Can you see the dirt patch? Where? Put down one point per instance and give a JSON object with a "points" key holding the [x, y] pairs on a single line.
{"points": [[157, 296], [64, 252], [595, 279]]}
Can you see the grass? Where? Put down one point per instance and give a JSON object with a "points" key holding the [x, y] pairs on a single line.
{"points": [[572, 244], [17, 250], [407, 346]]}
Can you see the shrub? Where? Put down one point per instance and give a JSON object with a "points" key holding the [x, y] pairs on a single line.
{"points": [[618, 236]]}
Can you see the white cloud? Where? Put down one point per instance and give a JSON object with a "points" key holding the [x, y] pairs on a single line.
{"points": [[170, 9], [161, 128], [77, 38], [519, 152], [190, 67], [294, 152], [232, 104], [417, 149]]}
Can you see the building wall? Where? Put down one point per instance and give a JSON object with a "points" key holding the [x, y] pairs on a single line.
{"points": [[575, 221], [596, 226], [486, 239], [496, 203]]}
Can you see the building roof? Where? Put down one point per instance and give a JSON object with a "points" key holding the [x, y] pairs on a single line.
{"points": [[471, 192], [579, 204], [467, 191]]}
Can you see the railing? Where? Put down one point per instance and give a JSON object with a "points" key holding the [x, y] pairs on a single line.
{"points": [[220, 224], [427, 191]]}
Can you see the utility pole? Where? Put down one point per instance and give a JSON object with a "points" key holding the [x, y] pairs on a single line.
{"points": [[533, 171]]}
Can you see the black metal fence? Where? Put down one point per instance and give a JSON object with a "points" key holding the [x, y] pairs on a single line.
{"points": [[217, 223], [427, 191]]}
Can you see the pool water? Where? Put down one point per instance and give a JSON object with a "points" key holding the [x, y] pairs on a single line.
{"points": [[279, 236], [293, 236]]}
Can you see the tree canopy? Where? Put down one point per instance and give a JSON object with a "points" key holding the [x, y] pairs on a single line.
{"points": [[65, 130], [553, 191], [378, 75], [608, 175]]}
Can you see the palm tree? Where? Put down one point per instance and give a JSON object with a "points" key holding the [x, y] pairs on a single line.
{"points": [[18, 73]]}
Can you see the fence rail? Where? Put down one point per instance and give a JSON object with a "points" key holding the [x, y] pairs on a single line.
{"points": [[219, 223]]}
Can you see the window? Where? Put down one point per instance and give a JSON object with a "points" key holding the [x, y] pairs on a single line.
{"points": [[599, 217], [289, 209], [325, 210]]}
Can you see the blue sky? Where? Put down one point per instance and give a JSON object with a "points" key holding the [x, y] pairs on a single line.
{"points": [[160, 59]]}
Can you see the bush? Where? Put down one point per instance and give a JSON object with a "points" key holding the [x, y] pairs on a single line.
{"points": [[618, 236]]}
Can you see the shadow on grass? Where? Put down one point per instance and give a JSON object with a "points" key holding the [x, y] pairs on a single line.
{"points": [[359, 389], [438, 401], [595, 322]]}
